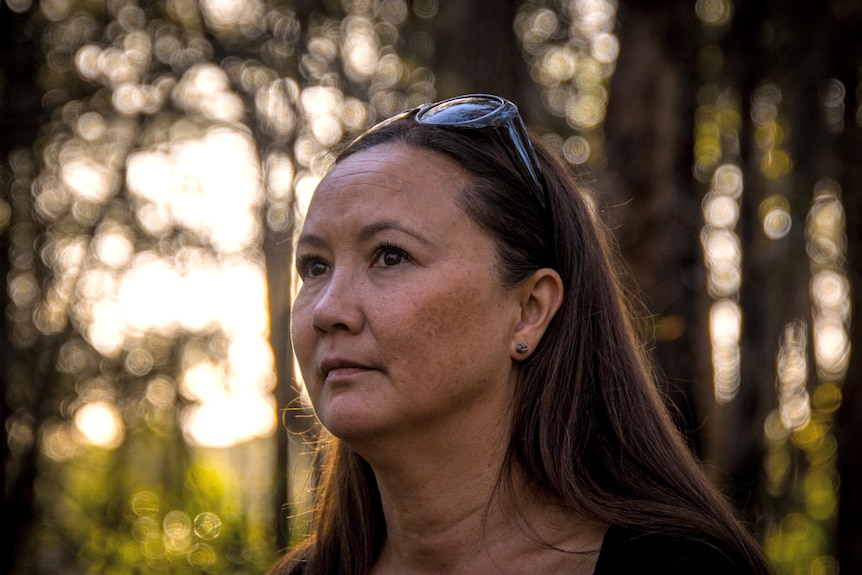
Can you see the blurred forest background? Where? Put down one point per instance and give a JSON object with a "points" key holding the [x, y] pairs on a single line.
{"points": [[156, 157]]}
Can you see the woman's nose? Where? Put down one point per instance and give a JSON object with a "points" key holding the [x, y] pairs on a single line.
{"points": [[338, 306]]}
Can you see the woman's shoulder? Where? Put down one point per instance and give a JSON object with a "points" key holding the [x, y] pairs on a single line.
{"points": [[631, 551]]}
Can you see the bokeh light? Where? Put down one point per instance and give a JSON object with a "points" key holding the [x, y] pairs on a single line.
{"points": [[792, 367], [830, 287], [573, 53], [770, 131], [231, 17], [714, 12], [101, 424], [832, 96], [179, 141], [207, 525], [725, 330], [722, 251], [804, 468]]}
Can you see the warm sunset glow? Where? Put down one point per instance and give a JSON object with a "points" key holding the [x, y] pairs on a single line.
{"points": [[218, 170], [159, 295], [101, 424], [229, 420], [209, 184], [160, 160]]}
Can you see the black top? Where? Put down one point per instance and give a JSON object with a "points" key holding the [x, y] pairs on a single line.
{"points": [[627, 551], [631, 552]]}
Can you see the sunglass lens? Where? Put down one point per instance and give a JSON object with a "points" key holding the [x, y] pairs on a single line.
{"points": [[459, 111]]}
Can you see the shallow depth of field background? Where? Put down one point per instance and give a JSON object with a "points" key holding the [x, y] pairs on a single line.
{"points": [[157, 156]]}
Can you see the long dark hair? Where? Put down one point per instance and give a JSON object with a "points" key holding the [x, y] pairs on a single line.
{"points": [[590, 430]]}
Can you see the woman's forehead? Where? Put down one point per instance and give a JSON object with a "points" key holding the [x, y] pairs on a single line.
{"points": [[401, 157], [396, 168], [390, 181]]}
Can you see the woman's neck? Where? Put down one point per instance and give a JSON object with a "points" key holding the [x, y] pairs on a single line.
{"points": [[456, 511]]}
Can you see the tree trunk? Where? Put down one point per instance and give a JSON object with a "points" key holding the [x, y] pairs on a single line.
{"points": [[648, 198], [477, 51], [848, 52], [20, 109]]}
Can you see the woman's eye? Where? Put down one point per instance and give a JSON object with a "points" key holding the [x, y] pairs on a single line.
{"points": [[388, 256], [310, 267], [391, 258]]}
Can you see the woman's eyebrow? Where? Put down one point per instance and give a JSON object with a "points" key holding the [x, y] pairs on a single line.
{"points": [[365, 233], [310, 240], [371, 230]]}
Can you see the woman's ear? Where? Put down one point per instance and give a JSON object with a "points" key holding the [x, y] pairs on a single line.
{"points": [[541, 297]]}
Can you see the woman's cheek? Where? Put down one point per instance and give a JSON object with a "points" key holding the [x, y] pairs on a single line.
{"points": [[302, 336]]}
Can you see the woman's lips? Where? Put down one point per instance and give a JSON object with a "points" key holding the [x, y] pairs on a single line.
{"points": [[334, 370]]}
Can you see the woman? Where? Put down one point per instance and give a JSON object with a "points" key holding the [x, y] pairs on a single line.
{"points": [[463, 339]]}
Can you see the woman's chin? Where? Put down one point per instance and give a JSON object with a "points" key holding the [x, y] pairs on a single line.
{"points": [[350, 422]]}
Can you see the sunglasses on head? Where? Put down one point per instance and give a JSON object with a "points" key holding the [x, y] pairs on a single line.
{"points": [[492, 114]]}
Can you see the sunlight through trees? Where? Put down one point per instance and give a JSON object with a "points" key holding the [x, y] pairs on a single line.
{"points": [[156, 158]]}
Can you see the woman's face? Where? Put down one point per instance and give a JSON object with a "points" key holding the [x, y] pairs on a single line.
{"points": [[400, 325]]}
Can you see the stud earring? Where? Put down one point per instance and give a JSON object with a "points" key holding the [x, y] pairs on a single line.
{"points": [[522, 347]]}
